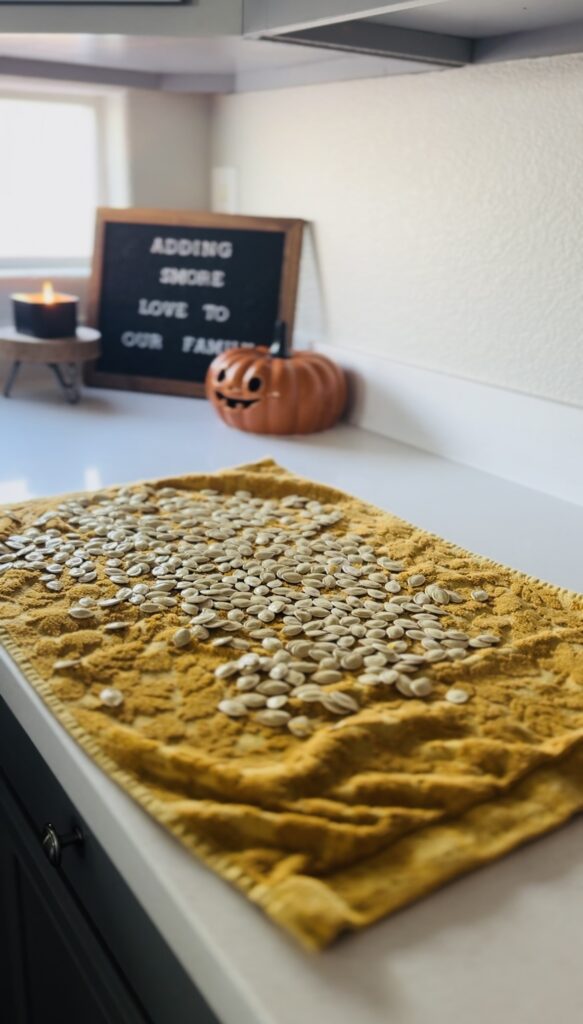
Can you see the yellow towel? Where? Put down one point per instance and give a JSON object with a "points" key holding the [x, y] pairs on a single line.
{"points": [[375, 807]]}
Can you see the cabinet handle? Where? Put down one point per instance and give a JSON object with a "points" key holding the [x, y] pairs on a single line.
{"points": [[53, 843]]}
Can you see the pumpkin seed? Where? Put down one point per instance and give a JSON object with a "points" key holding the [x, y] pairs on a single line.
{"points": [[273, 687], [273, 717], [437, 594], [339, 703], [291, 630], [182, 637], [457, 653], [369, 679], [326, 677], [434, 656], [251, 661], [352, 661], [404, 687], [150, 608], [199, 632], [310, 693], [488, 639], [233, 708], [279, 671], [248, 682], [300, 726], [111, 697], [389, 676], [227, 669], [271, 643], [254, 700], [277, 701], [421, 687], [78, 612], [375, 661], [303, 666], [457, 696]]}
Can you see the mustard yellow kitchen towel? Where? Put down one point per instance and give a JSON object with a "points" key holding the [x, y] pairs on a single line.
{"points": [[334, 710]]}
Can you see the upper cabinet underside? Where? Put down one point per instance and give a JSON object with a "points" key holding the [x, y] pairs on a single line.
{"points": [[239, 45], [474, 19], [441, 31]]}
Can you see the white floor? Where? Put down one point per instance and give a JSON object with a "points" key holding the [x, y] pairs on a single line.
{"points": [[502, 944]]}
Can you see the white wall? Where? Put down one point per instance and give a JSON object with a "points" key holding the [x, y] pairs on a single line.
{"points": [[167, 146], [447, 211]]}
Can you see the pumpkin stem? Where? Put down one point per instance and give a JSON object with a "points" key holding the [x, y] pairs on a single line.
{"points": [[279, 346]]}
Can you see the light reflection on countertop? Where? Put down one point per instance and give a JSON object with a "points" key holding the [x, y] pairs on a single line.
{"points": [[14, 490]]}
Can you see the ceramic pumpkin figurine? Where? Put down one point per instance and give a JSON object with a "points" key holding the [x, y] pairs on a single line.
{"points": [[275, 391]]}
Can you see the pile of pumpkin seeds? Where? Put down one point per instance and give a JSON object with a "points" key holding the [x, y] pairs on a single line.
{"points": [[316, 617]]}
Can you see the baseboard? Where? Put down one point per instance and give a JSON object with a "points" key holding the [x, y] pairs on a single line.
{"points": [[529, 440]]}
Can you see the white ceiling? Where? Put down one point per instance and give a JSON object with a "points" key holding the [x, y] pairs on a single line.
{"points": [[481, 18]]}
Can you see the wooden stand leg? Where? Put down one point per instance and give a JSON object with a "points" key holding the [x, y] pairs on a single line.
{"points": [[67, 381], [12, 374], [75, 377]]}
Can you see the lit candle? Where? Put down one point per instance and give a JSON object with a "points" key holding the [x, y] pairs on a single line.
{"points": [[46, 314]]}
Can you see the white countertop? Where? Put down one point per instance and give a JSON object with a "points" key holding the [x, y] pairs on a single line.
{"points": [[503, 943]]}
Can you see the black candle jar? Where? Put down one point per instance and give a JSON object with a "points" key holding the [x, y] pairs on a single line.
{"points": [[45, 314]]}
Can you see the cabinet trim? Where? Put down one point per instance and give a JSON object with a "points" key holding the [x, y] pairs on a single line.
{"points": [[377, 40]]}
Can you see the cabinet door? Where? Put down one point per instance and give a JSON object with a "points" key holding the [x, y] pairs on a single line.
{"points": [[53, 968], [89, 886]]}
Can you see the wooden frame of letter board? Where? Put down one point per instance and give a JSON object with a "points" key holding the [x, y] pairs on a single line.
{"points": [[293, 230]]}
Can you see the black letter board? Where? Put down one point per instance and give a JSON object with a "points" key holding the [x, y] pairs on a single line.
{"points": [[170, 291]]}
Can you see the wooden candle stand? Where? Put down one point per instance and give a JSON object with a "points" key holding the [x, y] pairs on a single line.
{"points": [[62, 355]]}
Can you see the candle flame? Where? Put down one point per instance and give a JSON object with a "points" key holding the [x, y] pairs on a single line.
{"points": [[48, 293]]}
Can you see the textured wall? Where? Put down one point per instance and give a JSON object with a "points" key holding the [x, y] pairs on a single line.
{"points": [[447, 211]]}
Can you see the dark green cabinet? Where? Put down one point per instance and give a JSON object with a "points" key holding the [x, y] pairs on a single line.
{"points": [[54, 968], [75, 945]]}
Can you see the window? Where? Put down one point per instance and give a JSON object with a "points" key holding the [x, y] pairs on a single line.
{"points": [[51, 178]]}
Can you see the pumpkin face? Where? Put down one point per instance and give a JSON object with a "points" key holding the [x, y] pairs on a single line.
{"points": [[253, 390]]}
